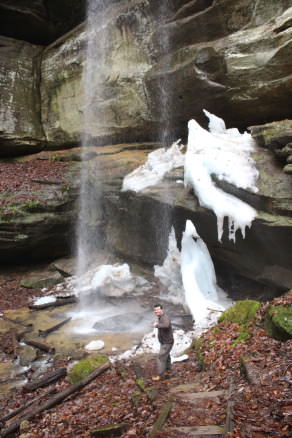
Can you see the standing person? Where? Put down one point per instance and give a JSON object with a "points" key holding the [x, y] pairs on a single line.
{"points": [[165, 337]]}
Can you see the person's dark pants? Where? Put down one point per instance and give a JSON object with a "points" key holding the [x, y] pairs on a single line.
{"points": [[163, 359]]}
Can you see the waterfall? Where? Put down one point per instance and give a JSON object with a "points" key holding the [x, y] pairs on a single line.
{"points": [[93, 119]]}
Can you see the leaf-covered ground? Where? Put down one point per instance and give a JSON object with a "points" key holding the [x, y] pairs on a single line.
{"points": [[126, 393], [19, 181]]}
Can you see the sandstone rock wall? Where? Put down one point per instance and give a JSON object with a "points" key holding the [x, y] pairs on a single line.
{"points": [[162, 66], [21, 129]]}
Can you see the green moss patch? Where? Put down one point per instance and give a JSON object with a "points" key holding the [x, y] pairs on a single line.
{"points": [[242, 312], [278, 322], [243, 336], [85, 366], [197, 347]]}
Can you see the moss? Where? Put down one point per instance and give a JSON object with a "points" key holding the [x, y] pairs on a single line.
{"points": [[242, 312], [243, 336], [32, 205], [86, 366], [197, 347], [278, 322], [140, 383]]}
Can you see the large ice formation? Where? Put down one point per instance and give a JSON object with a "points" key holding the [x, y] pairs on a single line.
{"points": [[224, 153]]}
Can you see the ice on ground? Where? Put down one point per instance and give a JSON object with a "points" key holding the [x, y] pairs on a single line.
{"points": [[44, 300], [158, 163], [95, 345], [150, 344], [112, 281], [226, 154]]}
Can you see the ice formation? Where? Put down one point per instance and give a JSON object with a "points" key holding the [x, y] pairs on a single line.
{"points": [[44, 300], [169, 273], [198, 277], [158, 163], [113, 281], [226, 154], [190, 278]]}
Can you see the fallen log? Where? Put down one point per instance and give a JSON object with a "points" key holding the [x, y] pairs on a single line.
{"points": [[47, 379], [20, 335], [112, 430], [47, 181], [55, 400], [25, 406], [164, 413], [39, 345], [44, 333], [59, 302]]}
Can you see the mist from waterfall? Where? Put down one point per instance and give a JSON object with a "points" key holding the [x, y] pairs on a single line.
{"points": [[88, 240]]}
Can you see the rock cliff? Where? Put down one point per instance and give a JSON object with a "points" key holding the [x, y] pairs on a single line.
{"points": [[230, 57]]}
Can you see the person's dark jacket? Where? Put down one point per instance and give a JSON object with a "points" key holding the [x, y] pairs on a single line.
{"points": [[165, 334]]}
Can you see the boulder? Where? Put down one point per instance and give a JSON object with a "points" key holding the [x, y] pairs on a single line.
{"points": [[42, 280], [278, 322]]}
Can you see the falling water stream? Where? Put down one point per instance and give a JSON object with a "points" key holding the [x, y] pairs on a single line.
{"points": [[92, 116]]}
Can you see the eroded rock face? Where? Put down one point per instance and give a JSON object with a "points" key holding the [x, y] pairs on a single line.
{"points": [[120, 110], [21, 129], [160, 66], [162, 70], [277, 137]]}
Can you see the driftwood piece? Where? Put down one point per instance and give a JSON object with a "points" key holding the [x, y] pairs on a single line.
{"points": [[47, 182], [25, 406], [55, 399], [39, 345], [164, 413], [45, 380], [60, 301], [54, 327], [110, 431]]}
